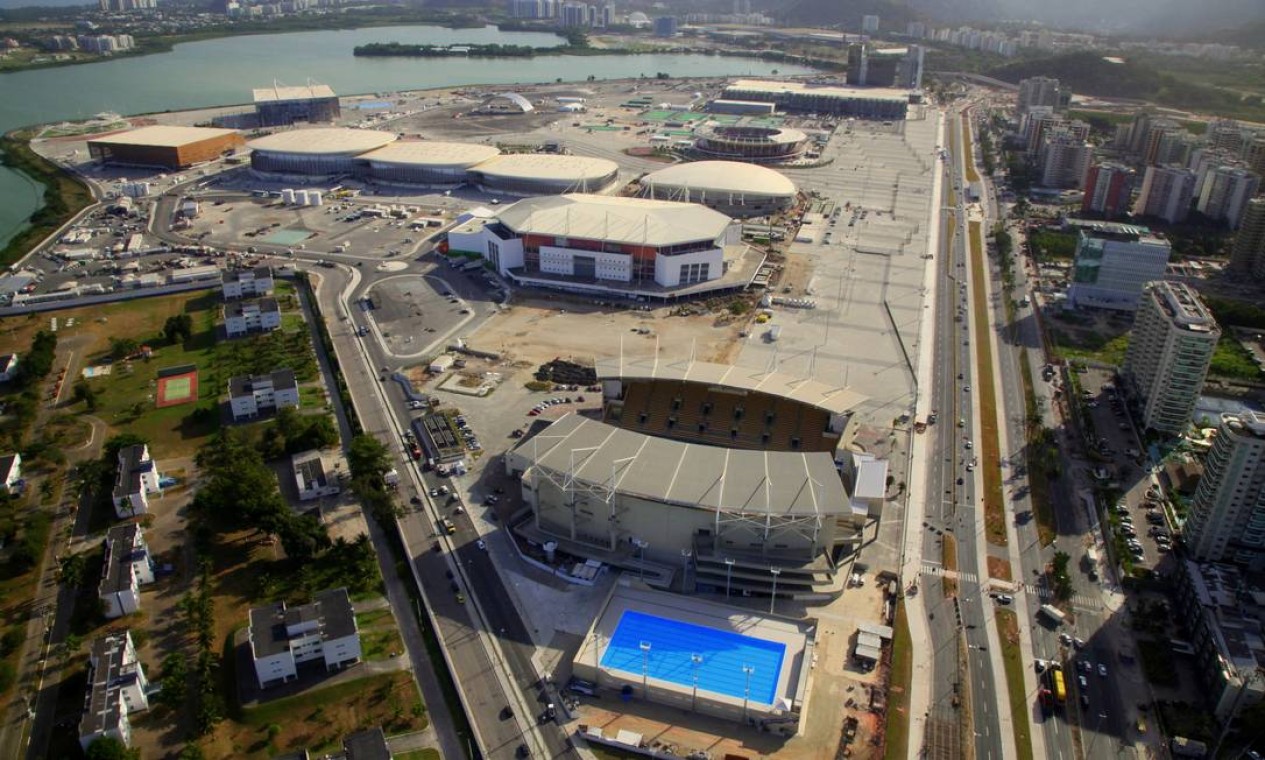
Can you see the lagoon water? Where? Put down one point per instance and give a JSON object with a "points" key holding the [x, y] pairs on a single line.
{"points": [[223, 72]]}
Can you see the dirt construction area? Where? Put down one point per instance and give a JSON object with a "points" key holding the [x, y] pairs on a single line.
{"points": [[539, 330]]}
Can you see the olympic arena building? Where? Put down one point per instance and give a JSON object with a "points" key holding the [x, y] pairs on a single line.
{"points": [[741, 142], [321, 152], [702, 477], [425, 162], [544, 174], [599, 244], [733, 188]]}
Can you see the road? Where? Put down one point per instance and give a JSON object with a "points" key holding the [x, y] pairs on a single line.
{"points": [[487, 644]]}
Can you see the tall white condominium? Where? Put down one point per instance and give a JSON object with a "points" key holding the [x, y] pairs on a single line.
{"points": [[1227, 514], [1247, 257], [1170, 350], [1038, 91], [1226, 193], [869, 24], [1166, 193], [1113, 263]]}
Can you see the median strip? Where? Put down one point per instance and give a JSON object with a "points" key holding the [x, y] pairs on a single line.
{"points": [[994, 501]]}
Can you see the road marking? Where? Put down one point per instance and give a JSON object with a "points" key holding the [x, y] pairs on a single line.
{"points": [[938, 570]]}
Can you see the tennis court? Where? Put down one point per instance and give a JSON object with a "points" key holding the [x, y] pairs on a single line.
{"points": [[666, 650], [177, 385]]}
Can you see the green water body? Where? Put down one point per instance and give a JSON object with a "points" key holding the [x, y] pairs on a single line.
{"points": [[223, 72]]}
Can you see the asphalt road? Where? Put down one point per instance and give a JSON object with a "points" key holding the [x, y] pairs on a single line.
{"points": [[384, 415]]}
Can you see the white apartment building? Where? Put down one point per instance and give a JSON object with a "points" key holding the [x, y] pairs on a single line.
{"points": [[1227, 513], [310, 477], [245, 317], [128, 566], [282, 637], [1066, 162], [250, 396], [116, 687], [1166, 193], [137, 477], [1170, 349], [1113, 263], [247, 283], [1226, 194]]}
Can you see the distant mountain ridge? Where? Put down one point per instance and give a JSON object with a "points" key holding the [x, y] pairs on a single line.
{"points": [[1182, 18]]}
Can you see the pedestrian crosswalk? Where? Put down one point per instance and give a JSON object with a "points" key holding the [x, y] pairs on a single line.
{"points": [[1079, 601]]}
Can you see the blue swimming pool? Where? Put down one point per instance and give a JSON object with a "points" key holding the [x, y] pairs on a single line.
{"points": [[672, 643]]}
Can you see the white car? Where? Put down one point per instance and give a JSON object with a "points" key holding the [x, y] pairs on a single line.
{"points": [[481, 544]]}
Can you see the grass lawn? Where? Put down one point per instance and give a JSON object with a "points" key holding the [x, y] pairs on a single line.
{"points": [[380, 643], [949, 558], [318, 720], [1232, 360], [897, 729], [1008, 631], [967, 153], [1050, 245], [426, 753], [292, 321], [994, 500]]}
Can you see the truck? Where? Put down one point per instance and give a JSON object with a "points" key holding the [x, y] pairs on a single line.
{"points": [[1055, 615], [773, 334]]}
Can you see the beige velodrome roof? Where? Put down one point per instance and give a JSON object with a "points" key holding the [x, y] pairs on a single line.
{"points": [[324, 140], [769, 135], [777, 483], [723, 177], [161, 136], [432, 154], [615, 219], [282, 92], [835, 400], [547, 166], [835, 91]]}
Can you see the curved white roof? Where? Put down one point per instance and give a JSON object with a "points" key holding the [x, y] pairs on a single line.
{"points": [[547, 166], [324, 140], [432, 154], [773, 135], [614, 219], [723, 177], [516, 99]]}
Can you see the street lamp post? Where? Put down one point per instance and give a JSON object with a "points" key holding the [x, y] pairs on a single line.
{"points": [[645, 670], [729, 570], [641, 564], [775, 572], [695, 660], [746, 694], [685, 568]]}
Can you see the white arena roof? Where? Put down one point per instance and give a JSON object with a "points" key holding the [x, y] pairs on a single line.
{"points": [[723, 177], [282, 92], [615, 219], [163, 136], [325, 140], [432, 154], [548, 167], [778, 483], [836, 400], [834, 91]]}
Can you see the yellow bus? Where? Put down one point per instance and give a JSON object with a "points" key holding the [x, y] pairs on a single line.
{"points": [[1060, 689]]}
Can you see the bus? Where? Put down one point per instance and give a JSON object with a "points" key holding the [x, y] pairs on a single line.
{"points": [[1060, 689]]}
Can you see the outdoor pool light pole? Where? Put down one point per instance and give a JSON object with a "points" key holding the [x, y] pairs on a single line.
{"points": [[775, 571], [645, 670], [746, 694], [729, 571], [696, 660]]}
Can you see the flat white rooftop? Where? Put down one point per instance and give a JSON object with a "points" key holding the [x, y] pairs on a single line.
{"points": [[163, 136], [301, 92], [323, 140], [636, 221], [833, 91]]}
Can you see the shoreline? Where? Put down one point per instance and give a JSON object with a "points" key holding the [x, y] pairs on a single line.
{"points": [[64, 194]]}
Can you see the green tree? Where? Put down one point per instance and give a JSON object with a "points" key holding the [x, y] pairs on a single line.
{"points": [[73, 569], [121, 348], [175, 680], [87, 394], [178, 328], [110, 748], [367, 456]]}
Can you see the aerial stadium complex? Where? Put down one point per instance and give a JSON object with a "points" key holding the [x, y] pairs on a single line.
{"points": [[425, 162], [701, 477], [544, 173], [280, 105], [732, 188], [164, 147], [631, 247], [365, 153], [740, 142], [699, 656], [801, 97], [324, 151]]}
